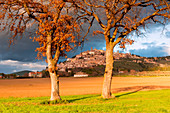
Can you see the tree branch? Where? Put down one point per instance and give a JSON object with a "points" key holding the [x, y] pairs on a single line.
{"points": [[90, 14]]}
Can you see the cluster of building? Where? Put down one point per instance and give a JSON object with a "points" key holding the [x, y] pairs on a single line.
{"points": [[92, 58], [85, 59], [35, 74]]}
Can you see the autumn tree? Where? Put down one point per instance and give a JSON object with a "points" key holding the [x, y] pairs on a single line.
{"points": [[120, 18], [56, 29]]}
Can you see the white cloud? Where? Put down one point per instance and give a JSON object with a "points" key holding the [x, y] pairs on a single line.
{"points": [[104, 48], [156, 38], [14, 71], [167, 50], [9, 62], [15, 66]]}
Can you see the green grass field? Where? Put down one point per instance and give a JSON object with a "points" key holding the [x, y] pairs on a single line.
{"points": [[130, 102]]}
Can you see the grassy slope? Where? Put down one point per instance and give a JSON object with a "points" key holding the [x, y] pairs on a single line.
{"points": [[139, 102]]}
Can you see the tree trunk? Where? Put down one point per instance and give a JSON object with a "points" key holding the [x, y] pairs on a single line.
{"points": [[106, 92], [55, 95], [52, 63]]}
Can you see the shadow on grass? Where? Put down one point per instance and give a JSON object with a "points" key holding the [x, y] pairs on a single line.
{"points": [[138, 88], [82, 98], [66, 101], [128, 93]]}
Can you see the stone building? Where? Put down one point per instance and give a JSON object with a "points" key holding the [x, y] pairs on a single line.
{"points": [[35, 74], [80, 74]]}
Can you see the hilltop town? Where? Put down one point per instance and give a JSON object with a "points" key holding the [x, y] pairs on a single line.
{"points": [[94, 57]]}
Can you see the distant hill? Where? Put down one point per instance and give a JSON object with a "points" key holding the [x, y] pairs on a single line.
{"points": [[93, 63], [21, 72]]}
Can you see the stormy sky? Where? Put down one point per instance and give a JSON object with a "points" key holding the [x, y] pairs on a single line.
{"points": [[154, 43]]}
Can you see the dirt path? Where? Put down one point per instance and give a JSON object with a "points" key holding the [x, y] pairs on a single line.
{"points": [[75, 86]]}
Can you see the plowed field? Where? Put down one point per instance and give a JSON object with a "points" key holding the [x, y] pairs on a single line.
{"points": [[76, 86]]}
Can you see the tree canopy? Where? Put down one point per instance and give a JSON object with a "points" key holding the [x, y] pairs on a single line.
{"points": [[56, 29], [119, 18]]}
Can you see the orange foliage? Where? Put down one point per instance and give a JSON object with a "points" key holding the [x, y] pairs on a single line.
{"points": [[97, 32], [125, 41], [49, 17]]}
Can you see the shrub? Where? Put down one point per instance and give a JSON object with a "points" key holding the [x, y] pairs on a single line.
{"points": [[47, 102]]}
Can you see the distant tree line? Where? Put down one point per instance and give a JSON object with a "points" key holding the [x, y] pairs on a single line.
{"points": [[8, 76]]}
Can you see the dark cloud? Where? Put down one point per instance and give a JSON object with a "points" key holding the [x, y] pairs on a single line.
{"points": [[154, 51], [23, 50], [93, 42], [167, 34], [7, 69]]}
